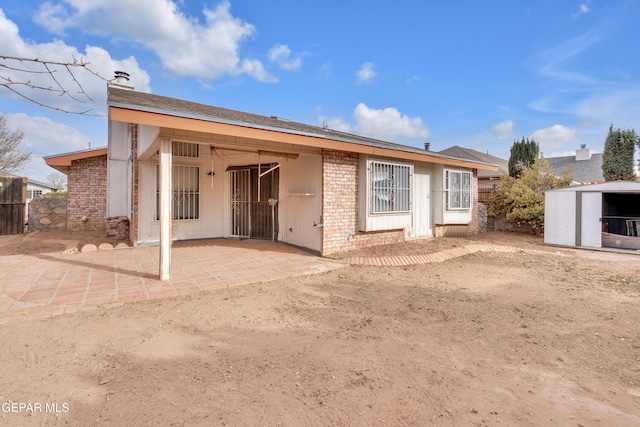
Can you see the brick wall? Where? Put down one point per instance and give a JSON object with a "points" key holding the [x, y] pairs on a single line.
{"points": [[340, 181], [87, 193], [135, 179]]}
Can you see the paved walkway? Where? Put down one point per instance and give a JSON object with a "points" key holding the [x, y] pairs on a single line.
{"points": [[441, 256], [47, 285]]}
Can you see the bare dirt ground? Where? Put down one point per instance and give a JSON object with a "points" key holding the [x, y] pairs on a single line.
{"points": [[489, 339], [52, 241]]}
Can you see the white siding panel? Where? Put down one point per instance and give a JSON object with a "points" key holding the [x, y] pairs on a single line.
{"points": [[560, 218], [118, 170], [590, 224], [300, 202]]}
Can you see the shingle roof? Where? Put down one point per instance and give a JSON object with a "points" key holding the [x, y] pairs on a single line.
{"points": [[468, 153], [583, 170], [177, 107]]}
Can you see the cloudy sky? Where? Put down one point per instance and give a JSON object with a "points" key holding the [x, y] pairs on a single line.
{"points": [[478, 74]]}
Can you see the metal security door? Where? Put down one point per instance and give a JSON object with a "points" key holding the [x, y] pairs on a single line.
{"points": [[240, 203]]}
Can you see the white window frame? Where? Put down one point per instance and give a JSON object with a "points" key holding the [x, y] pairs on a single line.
{"points": [[456, 200], [398, 188]]}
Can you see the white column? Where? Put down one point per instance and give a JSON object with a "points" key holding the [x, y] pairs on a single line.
{"points": [[165, 208]]}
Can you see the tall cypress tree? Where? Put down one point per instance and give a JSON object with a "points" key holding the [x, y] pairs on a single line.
{"points": [[617, 159], [523, 154]]}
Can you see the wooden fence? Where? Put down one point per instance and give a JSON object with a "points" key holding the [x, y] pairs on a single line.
{"points": [[13, 198]]}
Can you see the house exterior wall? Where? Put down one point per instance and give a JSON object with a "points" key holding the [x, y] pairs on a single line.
{"points": [[340, 177], [455, 223], [87, 193], [300, 204]]}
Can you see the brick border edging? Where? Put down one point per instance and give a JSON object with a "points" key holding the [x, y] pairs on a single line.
{"points": [[442, 256]]}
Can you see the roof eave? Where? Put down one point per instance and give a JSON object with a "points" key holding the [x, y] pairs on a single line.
{"points": [[192, 122]]}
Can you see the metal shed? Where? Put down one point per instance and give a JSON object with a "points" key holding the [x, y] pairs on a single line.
{"points": [[594, 216]]}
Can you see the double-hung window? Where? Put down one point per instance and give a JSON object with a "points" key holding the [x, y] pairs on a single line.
{"points": [[458, 186], [390, 186]]}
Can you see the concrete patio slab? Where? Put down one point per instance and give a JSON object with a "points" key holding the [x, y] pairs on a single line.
{"points": [[49, 284]]}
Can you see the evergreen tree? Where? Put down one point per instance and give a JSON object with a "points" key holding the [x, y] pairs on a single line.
{"points": [[523, 155], [617, 159]]}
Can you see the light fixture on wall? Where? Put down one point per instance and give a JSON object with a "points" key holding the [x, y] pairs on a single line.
{"points": [[212, 173]]}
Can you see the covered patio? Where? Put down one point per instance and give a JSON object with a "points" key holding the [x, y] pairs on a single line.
{"points": [[53, 283]]}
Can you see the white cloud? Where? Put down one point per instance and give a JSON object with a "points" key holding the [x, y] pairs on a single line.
{"points": [[582, 9], [185, 46], [280, 54], [553, 137], [503, 130], [366, 74], [388, 124], [99, 61], [46, 137], [324, 72]]}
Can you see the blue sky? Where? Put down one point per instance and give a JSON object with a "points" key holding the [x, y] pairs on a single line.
{"points": [[478, 74]]}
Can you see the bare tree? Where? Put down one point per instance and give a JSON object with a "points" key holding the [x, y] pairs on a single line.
{"points": [[12, 156], [57, 180], [26, 76]]}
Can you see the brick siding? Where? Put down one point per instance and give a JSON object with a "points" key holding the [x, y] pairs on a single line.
{"points": [[135, 168], [87, 193], [340, 181]]}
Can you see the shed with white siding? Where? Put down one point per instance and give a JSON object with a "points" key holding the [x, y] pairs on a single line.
{"points": [[594, 216]]}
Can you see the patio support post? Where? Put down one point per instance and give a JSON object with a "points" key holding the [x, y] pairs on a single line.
{"points": [[165, 208]]}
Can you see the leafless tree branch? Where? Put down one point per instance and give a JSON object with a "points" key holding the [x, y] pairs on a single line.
{"points": [[55, 71], [12, 157]]}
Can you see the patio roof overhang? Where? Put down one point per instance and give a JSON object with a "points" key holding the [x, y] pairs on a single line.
{"points": [[210, 125]]}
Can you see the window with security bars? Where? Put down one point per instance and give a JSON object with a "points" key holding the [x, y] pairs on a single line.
{"points": [[390, 187], [185, 149], [458, 186], [186, 192]]}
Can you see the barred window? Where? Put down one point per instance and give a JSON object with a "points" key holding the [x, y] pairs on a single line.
{"points": [[390, 187], [458, 186], [185, 149], [186, 192]]}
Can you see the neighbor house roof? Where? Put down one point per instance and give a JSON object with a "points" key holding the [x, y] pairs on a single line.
{"points": [[468, 153], [62, 162], [584, 171], [35, 183], [154, 110]]}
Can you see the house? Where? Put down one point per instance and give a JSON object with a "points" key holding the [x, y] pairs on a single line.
{"points": [[488, 180], [86, 172], [594, 216], [179, 170], [37, 188], [586, 166]]}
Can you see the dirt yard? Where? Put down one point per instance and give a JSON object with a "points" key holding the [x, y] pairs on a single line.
{"points": [[489, 339]]}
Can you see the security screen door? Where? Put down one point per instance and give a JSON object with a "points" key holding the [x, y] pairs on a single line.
{"points": [[250, 217]]}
